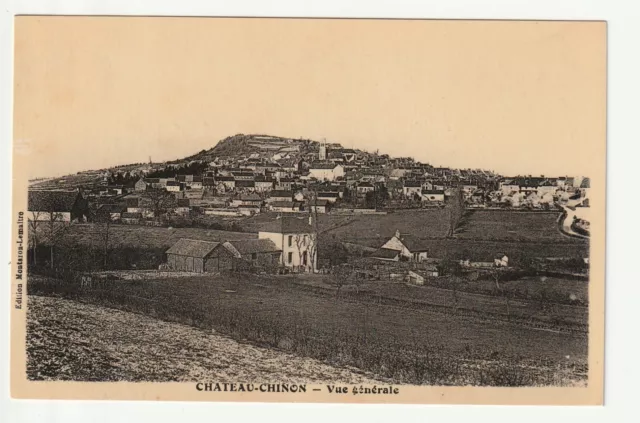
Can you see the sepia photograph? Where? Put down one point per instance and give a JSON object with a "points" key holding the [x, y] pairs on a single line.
{"points": [[308, 210]]}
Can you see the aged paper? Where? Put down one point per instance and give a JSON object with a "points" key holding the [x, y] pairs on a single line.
{"points": [[308, 210]]}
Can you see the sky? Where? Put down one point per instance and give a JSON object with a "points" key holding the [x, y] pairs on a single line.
{"points": [[514, 97]]}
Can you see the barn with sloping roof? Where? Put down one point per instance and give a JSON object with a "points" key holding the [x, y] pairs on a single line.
{"points": [[192, 255], [64, 206], [257, 252], [409, 246]]}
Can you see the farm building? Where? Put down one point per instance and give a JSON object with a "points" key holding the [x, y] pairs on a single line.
{"points": [[417, 277], [61, 206], [320, 206], [114, 211], [409, 246], [257, 252], [386, 254], [190, 255]]}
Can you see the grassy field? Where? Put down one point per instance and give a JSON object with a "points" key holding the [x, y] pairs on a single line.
{"points": [[486, 250], [512, 226], [421, 223], [406, 345], [67, 340], [482, 235], [483, 300], [141, 236], [541, 290]]}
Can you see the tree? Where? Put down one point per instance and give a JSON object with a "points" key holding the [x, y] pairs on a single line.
{"points": [[376, 198], [160, 201], [497, 275], [314, 235], [57, 227], [103, 224], [456, 210], [454, 286], [449, 266], [340, 275], [33, 224]]}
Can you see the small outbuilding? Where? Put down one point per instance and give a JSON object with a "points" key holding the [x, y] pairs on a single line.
{"points": [[192, 255]]}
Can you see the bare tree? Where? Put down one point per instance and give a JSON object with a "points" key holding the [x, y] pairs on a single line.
{"points": [[33, 224], [339, 276], [456, 210], [302, 243], [455, 288], [313, 241], [103, 227], [58, 227], [160, 201], [496, 275]]}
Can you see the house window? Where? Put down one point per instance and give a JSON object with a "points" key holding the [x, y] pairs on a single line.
{"points": [[290, 258], [254, 256], [304, 258], [290, 241]]}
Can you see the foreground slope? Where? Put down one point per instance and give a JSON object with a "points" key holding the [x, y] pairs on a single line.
{"points": [[74, 341]]}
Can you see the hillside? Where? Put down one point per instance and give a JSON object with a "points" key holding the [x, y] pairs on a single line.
{"points": [[238, 149], [240, 145]]}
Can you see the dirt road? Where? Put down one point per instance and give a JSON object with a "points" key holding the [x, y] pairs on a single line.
{"points": [[67, 340]]}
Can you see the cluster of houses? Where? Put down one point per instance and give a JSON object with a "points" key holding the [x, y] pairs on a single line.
{"points": [[289, 244], [294, 181]]}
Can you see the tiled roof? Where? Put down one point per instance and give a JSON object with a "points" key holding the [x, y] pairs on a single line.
{"points": [[286, 224], [289, 204], [250, 246], [192, 248], [112, 208], [250, 197], [414, 244], [281, 194], [52, 201], [385, 253]]}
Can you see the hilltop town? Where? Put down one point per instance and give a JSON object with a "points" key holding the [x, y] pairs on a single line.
{"points": [[248, 181], [262, 220], [249, 174]]}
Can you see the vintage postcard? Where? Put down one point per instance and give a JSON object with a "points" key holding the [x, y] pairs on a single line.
{"points": [[308, 210]]}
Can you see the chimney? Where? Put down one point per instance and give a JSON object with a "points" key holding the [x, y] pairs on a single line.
{"points": [[398, 233]]}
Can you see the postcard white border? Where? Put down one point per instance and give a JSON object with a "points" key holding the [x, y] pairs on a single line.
{"points": [[622, 292]]}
